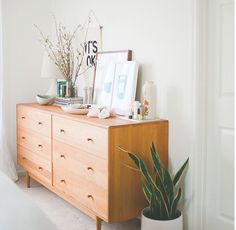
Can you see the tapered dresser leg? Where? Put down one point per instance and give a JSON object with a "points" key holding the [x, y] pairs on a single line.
{"points": [[98, 223], [27, 180]]}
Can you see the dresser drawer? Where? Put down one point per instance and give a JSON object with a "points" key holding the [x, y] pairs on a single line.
{"points": [[80, 163], [88, 194], [34, 142], [34, 164], [86, 137], [34, 120]]}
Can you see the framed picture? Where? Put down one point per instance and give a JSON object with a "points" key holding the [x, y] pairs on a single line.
{"points": [[125, 84], [104, 75]]}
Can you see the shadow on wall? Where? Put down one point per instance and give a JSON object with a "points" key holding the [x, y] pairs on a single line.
{"points": [[139, 84], [179, 136]]}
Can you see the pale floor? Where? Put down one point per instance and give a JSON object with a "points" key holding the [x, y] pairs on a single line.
{"points": [[64, 215]]}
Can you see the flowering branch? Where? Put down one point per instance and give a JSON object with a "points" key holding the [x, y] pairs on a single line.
{"points": [[65, 55]]}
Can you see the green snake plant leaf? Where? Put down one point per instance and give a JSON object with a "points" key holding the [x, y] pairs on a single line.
{"points": [[131, 155], [162, 188], [180, 172], [169, 186], [175, 203], [147, 192], [157, 192], [160, 195], [135, 159], [163, 214], [156, 160], [154, 206], [163, 179], [141, 166], [146, 174]]}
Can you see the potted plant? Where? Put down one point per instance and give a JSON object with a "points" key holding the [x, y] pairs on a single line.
{"points": [[162, 193]]}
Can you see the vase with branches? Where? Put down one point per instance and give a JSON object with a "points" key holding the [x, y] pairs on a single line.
{"points": [[66, 53]]}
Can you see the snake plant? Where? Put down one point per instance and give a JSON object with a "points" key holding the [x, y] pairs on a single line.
{"points": [[160, 189]]}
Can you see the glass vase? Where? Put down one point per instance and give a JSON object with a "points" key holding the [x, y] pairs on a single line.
{"points": [[70, 90]]}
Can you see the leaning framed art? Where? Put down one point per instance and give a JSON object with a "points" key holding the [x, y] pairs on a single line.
{"points": [[105, 73], [124, 86]]}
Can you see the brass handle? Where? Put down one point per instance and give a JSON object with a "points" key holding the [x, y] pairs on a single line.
{"points": [[91, 197], [62, 130], [63, 181], [90, 139], [90, 168], [40, 123], [22, 118], [40, 146], [23, 158], [40, 168], [23, 138], [62, 156]]}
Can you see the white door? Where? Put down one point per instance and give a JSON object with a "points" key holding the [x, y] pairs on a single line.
{"points": [[219, 196]]}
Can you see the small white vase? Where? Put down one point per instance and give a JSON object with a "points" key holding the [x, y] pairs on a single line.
{"points": [[149, 100], [150, 224]]}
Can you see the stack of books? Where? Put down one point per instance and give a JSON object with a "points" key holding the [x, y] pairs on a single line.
{"points": [[68, 101]]}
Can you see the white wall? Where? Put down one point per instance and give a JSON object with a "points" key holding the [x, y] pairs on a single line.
{"points": [[22, 54], [160, 33]]}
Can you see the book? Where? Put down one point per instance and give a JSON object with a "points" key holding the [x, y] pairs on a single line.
{"points": [[61, 88], [68, 101]]}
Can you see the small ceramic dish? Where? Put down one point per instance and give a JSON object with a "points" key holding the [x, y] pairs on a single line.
{"points": [[45, 99], [75, 109]]}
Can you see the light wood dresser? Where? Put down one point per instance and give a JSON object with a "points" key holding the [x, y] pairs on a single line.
{"points": [[77, 158]]}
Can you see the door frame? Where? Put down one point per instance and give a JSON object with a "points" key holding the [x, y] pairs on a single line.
{"points": [[199, 153]]}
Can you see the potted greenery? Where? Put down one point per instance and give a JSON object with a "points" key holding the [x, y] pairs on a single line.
{"points": [[162, 193]]}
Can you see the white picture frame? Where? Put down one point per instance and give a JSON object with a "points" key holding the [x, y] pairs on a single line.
{"points": [[104, 75], [104, 85], [124, 87]]}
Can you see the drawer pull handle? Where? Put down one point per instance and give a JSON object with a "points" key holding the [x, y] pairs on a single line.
{"points": [[62, 130], [22, 118], [23, 138], [62, 156], [90, 197], [40, 123], [40, 146], [23, 158], [40, 168], [90, 168], [63, 181], [90, 139]]}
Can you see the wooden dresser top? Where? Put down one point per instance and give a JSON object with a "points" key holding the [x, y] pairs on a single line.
{"points": [[105, 123]]}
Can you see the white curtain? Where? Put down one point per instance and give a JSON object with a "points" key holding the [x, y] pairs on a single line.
{"points": [[6, 163]]}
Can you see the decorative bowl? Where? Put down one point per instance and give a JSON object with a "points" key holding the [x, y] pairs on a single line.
{"points": [[76, 109], [45, 99]]}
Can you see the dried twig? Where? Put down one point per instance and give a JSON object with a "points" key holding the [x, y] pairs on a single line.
{"points": [[67, 58]]}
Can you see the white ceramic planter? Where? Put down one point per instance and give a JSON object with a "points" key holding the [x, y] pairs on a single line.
{"points": [[150, 224]]}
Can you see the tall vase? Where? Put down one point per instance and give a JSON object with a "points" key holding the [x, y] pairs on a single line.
{"points": [[70, 89]]}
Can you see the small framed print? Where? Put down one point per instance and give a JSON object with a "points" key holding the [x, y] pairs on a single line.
{"points": [[104, 75], [125, 84], [104, 85]]}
